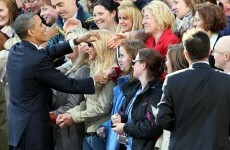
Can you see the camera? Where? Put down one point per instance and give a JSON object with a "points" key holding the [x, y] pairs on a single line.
{"points": [[122, 139]]}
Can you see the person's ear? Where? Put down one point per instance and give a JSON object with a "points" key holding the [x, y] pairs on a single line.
{"points": [[227, 56], [143, 65], [113, 13], [30, 32], [189, 4], [186, 55]]}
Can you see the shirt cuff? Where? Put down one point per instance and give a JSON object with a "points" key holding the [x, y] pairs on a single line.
{"points": [[71, 43], [94, 81]]}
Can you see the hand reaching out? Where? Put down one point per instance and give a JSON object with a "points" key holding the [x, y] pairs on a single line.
{"points": [[99, 78], [84, 48], [90, 36], [109, 73], [117, 39], [51, 32], [71, 24]]}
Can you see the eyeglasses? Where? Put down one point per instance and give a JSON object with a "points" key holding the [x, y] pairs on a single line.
{"points": [[27, 1], [90, 44], [134, 61], [213, 50]]}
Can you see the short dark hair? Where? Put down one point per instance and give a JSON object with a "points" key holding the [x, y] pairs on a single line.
{"points": [[197, 43], [155, 63], [213, 16], [23, 23], [109, 5]]}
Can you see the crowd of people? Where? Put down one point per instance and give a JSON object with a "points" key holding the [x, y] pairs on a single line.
{"points": [[114, 74]]}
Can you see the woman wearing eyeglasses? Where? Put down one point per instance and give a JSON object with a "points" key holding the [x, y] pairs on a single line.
{"points": [[127, 52], [135, 124]]}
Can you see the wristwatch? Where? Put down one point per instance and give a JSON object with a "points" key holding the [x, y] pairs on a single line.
{"points": [[75, 42]]}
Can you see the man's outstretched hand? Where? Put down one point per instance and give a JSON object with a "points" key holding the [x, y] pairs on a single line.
{"points": [[99, 78]]}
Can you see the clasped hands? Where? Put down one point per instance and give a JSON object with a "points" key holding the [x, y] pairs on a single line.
{"points": [[64, 120]]}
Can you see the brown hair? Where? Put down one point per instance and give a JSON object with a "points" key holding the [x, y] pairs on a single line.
{"points": [[192, 4], [213, 17], [176, 57], [154, 62], [45, 2], [131, 47], [3, 39], [13, 10]]}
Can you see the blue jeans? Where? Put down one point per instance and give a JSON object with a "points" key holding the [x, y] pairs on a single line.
{"points": [[94, 142]]}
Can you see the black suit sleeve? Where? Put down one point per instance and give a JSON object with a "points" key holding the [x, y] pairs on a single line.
{"points": [[53, 78], [59, 50], [164, 115]]}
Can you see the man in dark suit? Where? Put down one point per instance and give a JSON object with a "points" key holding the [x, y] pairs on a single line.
{"points": [[195, 104], [31, 74]]}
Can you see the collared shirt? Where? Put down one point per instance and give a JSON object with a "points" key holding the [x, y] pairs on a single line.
{"points": [[199, 62], [213, 40]]}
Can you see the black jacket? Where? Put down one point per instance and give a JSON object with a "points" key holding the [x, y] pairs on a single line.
{"points": [[195, 108], [142, 127]]}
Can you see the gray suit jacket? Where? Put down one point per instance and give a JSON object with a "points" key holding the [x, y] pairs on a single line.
{"points": [[195, 107]]}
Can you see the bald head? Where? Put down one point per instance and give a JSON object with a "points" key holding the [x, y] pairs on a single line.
{"points": [[223, 44], [221, 53]]}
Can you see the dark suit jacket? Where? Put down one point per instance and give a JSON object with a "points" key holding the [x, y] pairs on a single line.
{"points": [[195, 107], [31, 74]]}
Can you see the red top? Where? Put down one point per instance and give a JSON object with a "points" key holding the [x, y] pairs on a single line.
{"points": [[167, 38]]}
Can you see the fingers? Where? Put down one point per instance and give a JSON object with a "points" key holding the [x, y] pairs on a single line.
{"points": [[84, 48], [103, 81], [63, 125], [60, 119], [116, 41], [108, 73], [94, 33], [116, 118]]}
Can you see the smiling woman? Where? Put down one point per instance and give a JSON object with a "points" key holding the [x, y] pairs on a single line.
{"points": [[105, 15], [129, 16], [8, 13], [48, 13], [158, 21]]}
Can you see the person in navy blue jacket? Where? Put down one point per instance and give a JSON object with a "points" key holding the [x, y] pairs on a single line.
{"points": [[31, 74]]}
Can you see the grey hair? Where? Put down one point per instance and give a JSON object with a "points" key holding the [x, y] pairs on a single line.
{"points": [[23, 23]]}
